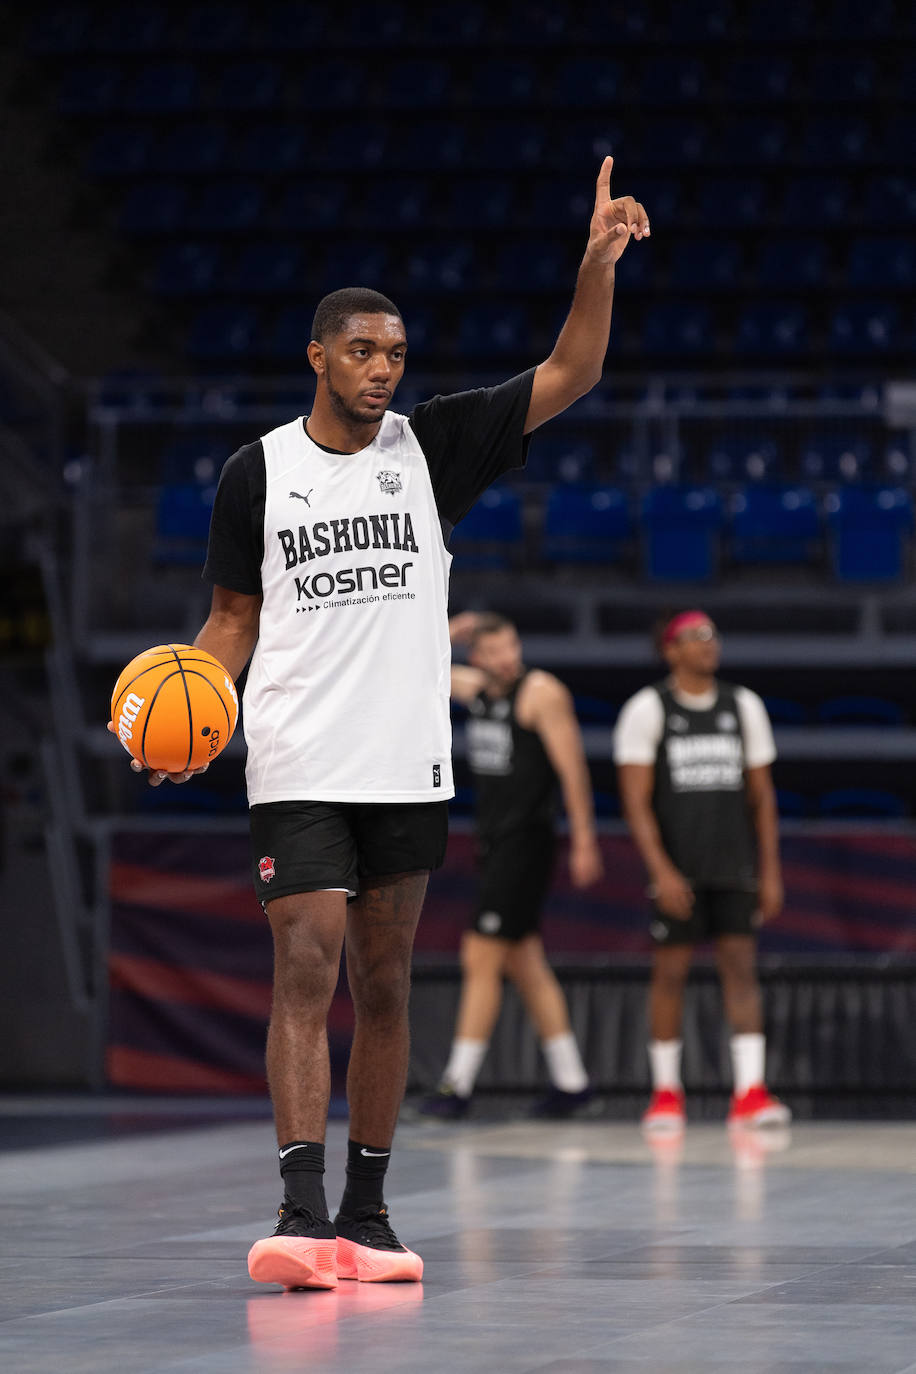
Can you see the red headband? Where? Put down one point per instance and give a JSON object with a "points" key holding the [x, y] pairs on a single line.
{"points": [[687, 620]]}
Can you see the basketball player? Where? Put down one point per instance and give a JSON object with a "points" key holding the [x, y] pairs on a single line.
{"points": [[693, 757], [329, 562], [523, 744]]}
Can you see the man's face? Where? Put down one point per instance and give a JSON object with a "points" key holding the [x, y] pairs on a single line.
{"points": [[499, 655], [696, 650], [362, 366]]}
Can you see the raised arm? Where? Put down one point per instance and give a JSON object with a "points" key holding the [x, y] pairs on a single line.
{"points": [[546, 705], [575, 364]]}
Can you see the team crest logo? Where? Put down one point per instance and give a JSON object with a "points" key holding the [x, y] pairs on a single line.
{"points": [[678, 723], [266, 869], [389, 481], [490, 922], [726, 721]]}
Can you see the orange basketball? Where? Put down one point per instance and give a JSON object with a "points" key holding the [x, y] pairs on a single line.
{"points": [[174, 708]]}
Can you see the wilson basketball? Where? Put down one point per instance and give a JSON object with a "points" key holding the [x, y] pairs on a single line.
{"points": [[174, 708]]}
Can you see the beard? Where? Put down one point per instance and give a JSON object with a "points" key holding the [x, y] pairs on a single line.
{"points": [[345, 411]]}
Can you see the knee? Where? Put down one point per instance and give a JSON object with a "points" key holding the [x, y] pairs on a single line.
{"points": [[304, 970], [669, 978], [482, 956], [380, 990]]}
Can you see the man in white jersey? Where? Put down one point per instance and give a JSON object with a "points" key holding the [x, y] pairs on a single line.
{"points": [[693, 756], [329, 562]]}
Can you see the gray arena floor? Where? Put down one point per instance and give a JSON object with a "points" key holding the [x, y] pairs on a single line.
{"points": [[569, 1248]]}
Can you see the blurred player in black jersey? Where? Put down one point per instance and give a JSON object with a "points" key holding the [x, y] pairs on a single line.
{"points": [[524, 746]]}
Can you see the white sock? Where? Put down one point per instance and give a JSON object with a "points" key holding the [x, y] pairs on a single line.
{"points": [[748, 1061], [564, 1063], [464, 1065], [665, 1065]]}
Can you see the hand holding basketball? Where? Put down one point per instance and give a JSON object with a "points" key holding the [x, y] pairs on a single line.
{"points": [[174, 708]]}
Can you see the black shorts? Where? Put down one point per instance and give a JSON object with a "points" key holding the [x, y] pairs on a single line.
{"points": [[515, 874], [716, 911], [309, 846]]}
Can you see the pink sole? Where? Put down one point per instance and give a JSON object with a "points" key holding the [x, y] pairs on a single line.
{"points": [[377, 1266], [294, 1262]]}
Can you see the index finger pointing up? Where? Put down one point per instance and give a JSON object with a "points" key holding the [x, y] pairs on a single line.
{"points": [[603, 187]]}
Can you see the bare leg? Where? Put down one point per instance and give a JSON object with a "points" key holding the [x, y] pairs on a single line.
{"points": [[483, 962], [380, 932], [736, 958], [308, 930], [538, 987], [670, 967]]}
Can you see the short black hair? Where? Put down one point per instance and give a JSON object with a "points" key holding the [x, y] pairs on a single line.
{"points": [[334, 310], [489, 623]]}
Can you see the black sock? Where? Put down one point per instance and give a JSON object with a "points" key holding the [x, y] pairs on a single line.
{"points": [[302, 1171], [366, 1166]]}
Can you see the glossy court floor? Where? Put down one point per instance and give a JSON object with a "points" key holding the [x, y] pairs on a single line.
{"points": [[559, 1248]]}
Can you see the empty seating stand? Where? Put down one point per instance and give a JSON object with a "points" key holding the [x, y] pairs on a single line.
{"points": [[681, 525], [870, 527]]}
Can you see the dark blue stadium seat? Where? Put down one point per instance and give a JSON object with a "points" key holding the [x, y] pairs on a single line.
{"points": [[587, 81], [795, 23], [674, 142], [93, 88], [435, 266], [870, 526], [190, 150], [442, 25], [416, 83], [358, 263], [836, 457], [786, 711], [196, 456], [535, 264], [750, 141], [785, 264], [420, 145], [493, 329], [61, 29], [162, 88], [898, 138], [866, 327], [861, 710], [509, 144], [255, 84], [188, 269], [503, 81], [702, 21], [671, 78], [401, 202], [881, 262], [223, 333], [760, 80], [300, 26], [743, 455], [876, 20], [480, 202], [335, 83], [774, 524], [681, 525], [838, 78], [490, 535], [289, 335], [272, 148], [586, 524], [120, 152], [559, 457], [265, 268], [561, 202], [182, 523], [225, 207], [898, 465], [579, 145], [814, 202], [312, 204], [131, 29], [155, 207], [725, 202], [861, 802], [891, 199], [829, 140], [705, 264], [216, 26], [678, 329], [790, 804], [773, 329]]}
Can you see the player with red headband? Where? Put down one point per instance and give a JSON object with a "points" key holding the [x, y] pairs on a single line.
{"points": [[693, 756]]}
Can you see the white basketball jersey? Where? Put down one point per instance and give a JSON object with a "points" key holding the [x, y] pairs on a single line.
{"points": [[347, 696]]}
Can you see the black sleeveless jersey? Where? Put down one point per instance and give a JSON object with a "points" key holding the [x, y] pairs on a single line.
{"points": [[700, 799], [515, 782]]}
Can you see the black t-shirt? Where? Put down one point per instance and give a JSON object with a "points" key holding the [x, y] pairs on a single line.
{"points": [[469, 439]]}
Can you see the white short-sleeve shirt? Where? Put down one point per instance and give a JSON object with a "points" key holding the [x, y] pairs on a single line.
{"points": [[641, 724]]}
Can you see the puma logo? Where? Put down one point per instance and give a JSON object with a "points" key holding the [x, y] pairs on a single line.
{"points": [[300, 497]]}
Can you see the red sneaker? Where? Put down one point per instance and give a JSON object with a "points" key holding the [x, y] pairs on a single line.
{"points": [[665, 1114], [757, 1107]]}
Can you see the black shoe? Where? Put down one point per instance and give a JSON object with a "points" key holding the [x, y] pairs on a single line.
{"points": [[301, 1253], [446, 1104], [558, 1105], [368, 1249]]}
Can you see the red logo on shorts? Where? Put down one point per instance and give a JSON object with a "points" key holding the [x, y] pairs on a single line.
{"points": [[266, 868]]}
